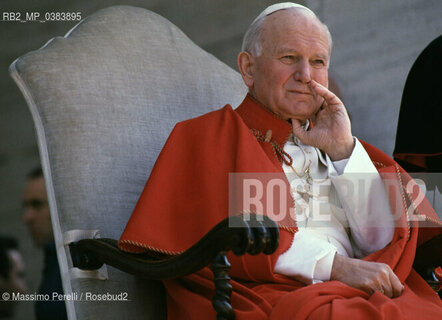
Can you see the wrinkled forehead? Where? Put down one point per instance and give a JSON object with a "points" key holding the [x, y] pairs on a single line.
{"points": [[294, 21]]}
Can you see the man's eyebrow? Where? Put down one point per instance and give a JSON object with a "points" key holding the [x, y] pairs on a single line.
{"points": [[320, 55], [284, 50]]}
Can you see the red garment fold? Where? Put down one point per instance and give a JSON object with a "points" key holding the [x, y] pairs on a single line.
{"points": [[188, 193]]}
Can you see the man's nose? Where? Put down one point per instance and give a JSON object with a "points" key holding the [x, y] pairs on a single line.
{"points": [[302, 72]]}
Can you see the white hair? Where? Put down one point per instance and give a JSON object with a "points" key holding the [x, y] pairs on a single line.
{"points": [[252, 38]]}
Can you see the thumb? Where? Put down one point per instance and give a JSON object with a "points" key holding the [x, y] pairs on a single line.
{"points": [[299, 131]]}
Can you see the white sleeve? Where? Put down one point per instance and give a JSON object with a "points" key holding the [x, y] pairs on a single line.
{"points": [[363, 197], [308, 259]]}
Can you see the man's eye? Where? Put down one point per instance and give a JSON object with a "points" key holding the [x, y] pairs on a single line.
{"points": [[319, 62], [288, 59]]}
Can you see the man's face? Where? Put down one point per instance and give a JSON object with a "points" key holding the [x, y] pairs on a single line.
{"points": [[295, 50], [36, 211]]}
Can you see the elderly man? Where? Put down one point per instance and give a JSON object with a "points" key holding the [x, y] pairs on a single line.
{"points": [[355, 261]]}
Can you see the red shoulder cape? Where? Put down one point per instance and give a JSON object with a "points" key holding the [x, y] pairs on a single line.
{"points": [[187, 194]]}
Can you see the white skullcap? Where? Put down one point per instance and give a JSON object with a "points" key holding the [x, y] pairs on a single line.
{"points": [[280, 6]]}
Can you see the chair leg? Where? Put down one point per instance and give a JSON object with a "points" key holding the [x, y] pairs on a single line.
{"points": [[223, 290]]}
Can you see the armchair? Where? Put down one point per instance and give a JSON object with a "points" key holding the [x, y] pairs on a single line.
{"points": [[103, 99]]}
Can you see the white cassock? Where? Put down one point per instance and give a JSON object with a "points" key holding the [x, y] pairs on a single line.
{"points": [[344, 209]]}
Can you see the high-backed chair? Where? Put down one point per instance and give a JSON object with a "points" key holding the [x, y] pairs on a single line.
{"points": [[103, 99]]}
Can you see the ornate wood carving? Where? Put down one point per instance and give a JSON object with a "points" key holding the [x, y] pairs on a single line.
{"points": [[252, 234], [223, 290]]}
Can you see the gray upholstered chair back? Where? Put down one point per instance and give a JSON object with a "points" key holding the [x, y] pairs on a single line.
{"points": [[104, 98]]}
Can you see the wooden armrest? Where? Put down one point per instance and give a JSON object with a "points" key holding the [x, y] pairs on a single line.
{"points": [[254, 235]]}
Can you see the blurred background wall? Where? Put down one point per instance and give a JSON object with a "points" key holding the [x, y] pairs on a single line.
{"points": [[375, 44]]}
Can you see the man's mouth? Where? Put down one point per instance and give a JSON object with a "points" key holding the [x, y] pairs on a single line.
{"points": [[301, 92]]}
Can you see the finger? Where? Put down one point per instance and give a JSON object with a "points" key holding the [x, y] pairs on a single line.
{"points": [[319, 98], [397, 287], [329, 96], [299, 131], [384, 280], [379, 290], [386, 287]]}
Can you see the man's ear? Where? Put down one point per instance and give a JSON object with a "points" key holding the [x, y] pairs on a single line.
{"points": [[245, 65]]}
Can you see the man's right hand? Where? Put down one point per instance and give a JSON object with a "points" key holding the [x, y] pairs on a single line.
{"points": [[366, 276], [332, 130]]}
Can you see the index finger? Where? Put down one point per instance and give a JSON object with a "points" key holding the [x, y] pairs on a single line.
{"points": [[328, 96], [396, 285]]}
